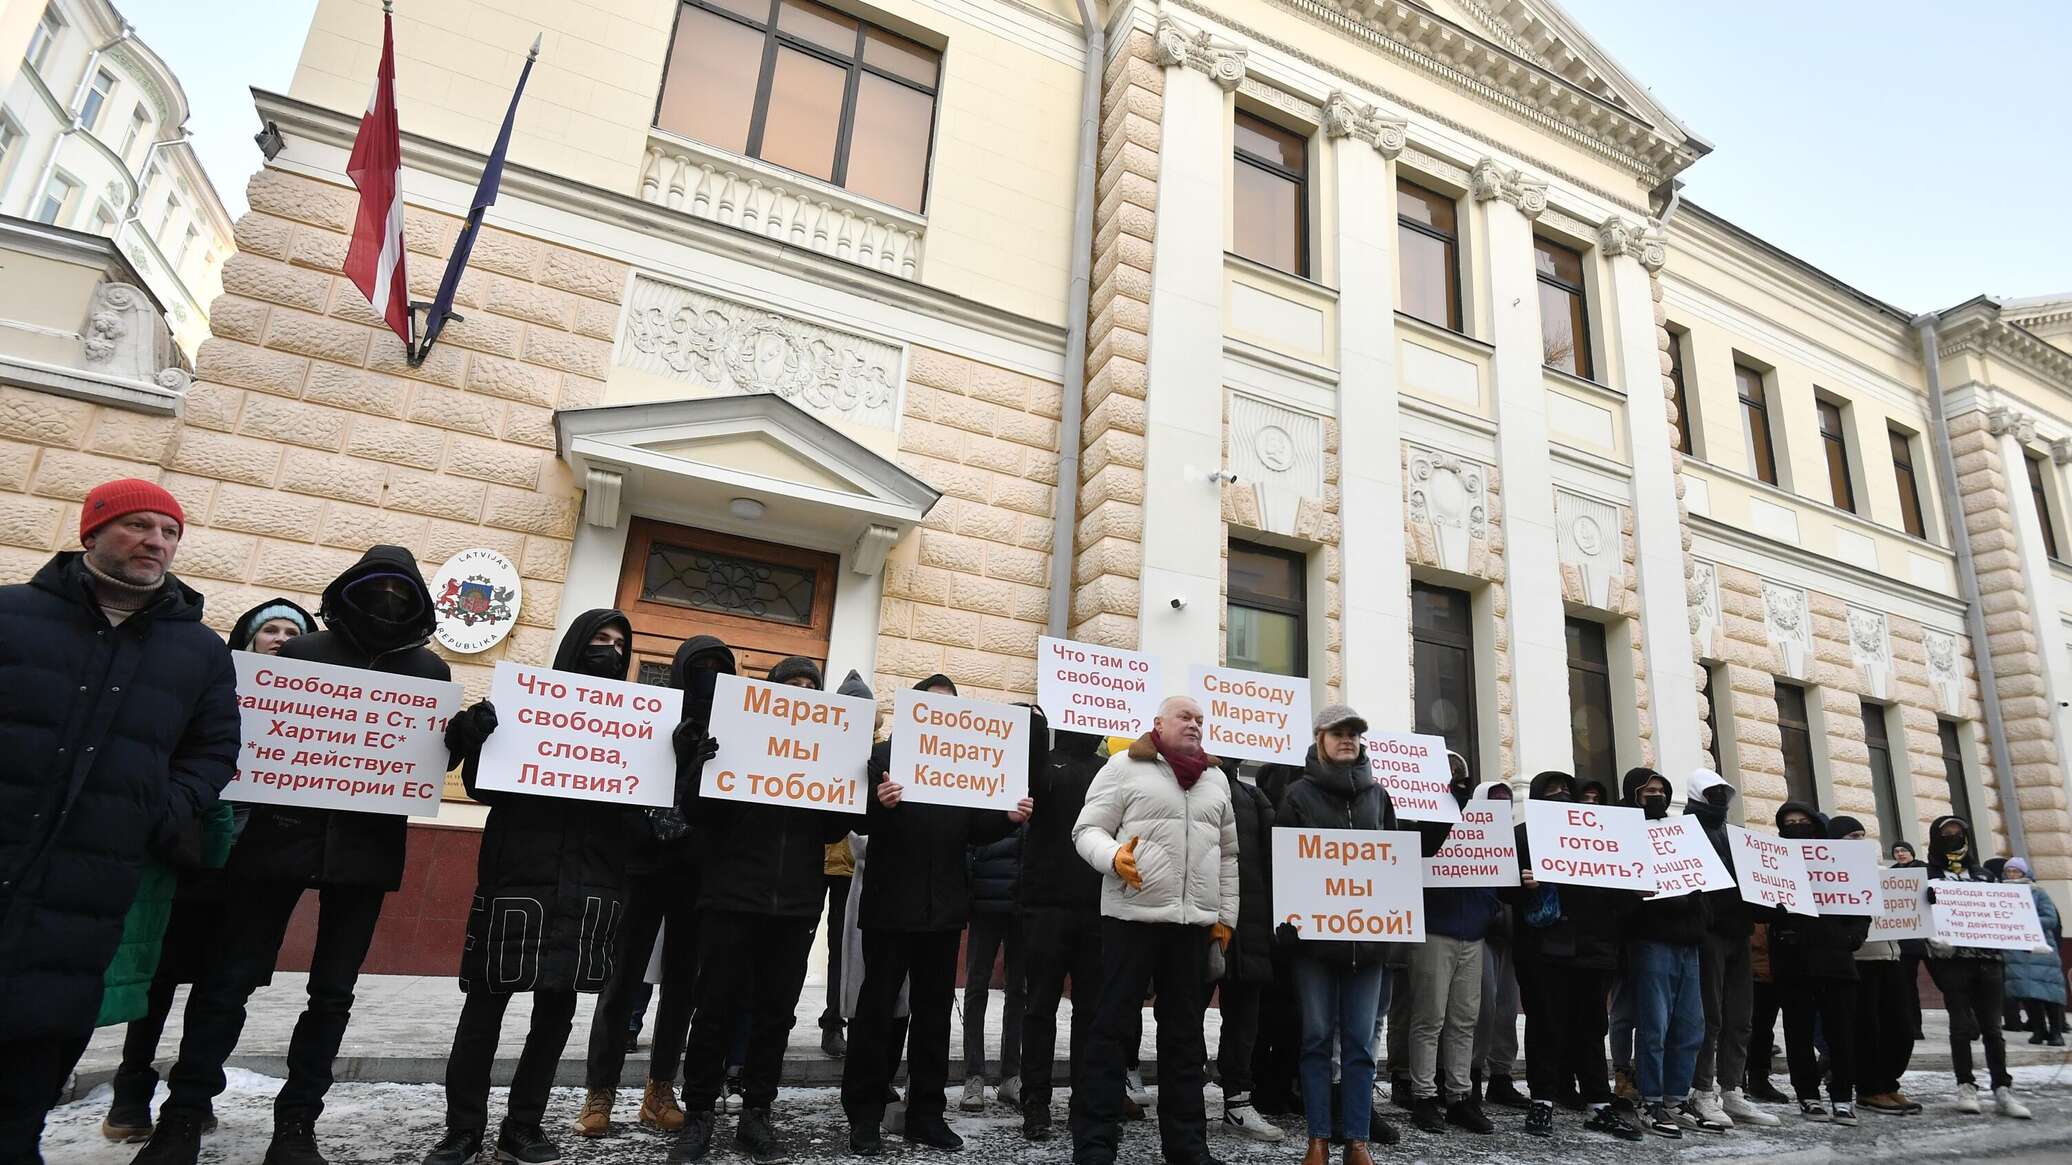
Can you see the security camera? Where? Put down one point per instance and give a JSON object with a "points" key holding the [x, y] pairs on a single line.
{"points": [[1178, 601], [1223, 477]]}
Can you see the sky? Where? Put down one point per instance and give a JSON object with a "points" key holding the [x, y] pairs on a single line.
{"points": [[1917, 150]]}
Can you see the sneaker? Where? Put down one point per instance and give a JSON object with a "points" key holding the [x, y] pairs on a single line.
{"points": [[526, 1145], [1743, 1111], [175, 1141], [1503, 1093], [1708, 1106], [658, 1108], [1845, 1114], [974, 1094], [756, 1138], [1133, 1087], [1466, 1114], [1036, 1122], [1241, 1118], [2003, 1098], [1623, 1086], [1539, 1119], [1813, 1110], [1662, 1122], [1691, 1115], [1428, 1115], [458, 1147], [735, 1096], [1010, 1092], [294, 1143], [1604, 1120], [1967, 1099], [833, 1044], [694, 1140], [596, 1118], [935, 1135]]}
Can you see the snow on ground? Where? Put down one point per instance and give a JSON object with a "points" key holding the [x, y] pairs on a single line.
{"points": [[395, 1124]]}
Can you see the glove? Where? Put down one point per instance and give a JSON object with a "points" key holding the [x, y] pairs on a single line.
{"points": [[1126, 865], [693, 747], [667, 824], [1928, 893], [1286, 935], [1221, 934], [470, 728]]}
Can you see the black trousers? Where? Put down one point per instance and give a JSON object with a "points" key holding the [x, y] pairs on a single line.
{"points": [[1972, 995], [1762, 1032], [1884, 1025], [137, 1078], [33, 1072], [1832, 1003], [926, 960], [1911, 970], [1136, 958], [474, 1048], [1565, 1020], [985, 940], [251, 942], [1277, 1052], [1240, 1004], [837, 918], [1063, 944], [753, 965], [651, 900]]}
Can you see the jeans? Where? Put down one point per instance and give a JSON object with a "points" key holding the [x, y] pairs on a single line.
{"points": [[474, 1048], [1620, 1023], [1831, 1003], [753, 968], [1668, 1018], [1972, 991], [1137, 958], [1729, 983], [1564, 1030], [1239, 1005], [1338, 1003], [988, 933], [837, 917], [34, 1078], [926, 960], [1496, 1031], [251, 942], [1445, 1004], [1884, 1025], [1063, 944]]}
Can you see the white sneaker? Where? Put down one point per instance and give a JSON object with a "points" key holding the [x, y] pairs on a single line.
{"points": [[1010, 1092], [974, 1094], [1134, 1087], [734, 1097], [1241, 1118], [1708, 1109], [1967, 1099], [2009, 1106], [1735, 1104]]}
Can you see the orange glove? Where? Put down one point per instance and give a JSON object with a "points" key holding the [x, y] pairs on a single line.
{"points": [[1126, 865], [1221, 934]]}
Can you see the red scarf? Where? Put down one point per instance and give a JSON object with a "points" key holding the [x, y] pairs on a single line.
{"points": [[1187, 766]]}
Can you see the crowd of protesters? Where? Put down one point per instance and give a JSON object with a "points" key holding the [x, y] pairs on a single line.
{"points": [[1134, 870]]}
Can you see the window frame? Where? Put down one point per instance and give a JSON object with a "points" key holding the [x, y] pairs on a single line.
{"points": [[1877, 740], [140, 117], [1438, 637], [1598, 677], [1686, 442], [1834, 444], [2039, 495], [1912, 518], [11, 137], [96, 99], [1950, 743], [44, 38], [1239, 156], [1586, 364], [72, 187], [1803, 727], [1456, 320], [1297, 609], [774, 38], [1763, 469]]}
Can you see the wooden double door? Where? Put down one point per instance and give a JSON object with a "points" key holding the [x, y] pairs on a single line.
{"points": [[764, 600]]}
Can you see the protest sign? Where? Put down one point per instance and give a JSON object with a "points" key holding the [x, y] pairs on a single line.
{"points": [[1985, 914], [1769, 871], [1482, 850], [947, 750], [559, 734], [783, 745], [1588, 845], [1681, 859], [1103, 691], [1249, 715], [1349, 885], [1413, 769], [1902, 906], [320, 736], [1843, 876]]}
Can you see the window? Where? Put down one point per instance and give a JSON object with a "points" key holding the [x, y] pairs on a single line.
{"points": [[187, 242], [44, 38], [1676, 385], [1953, 769], [1564, 317], [1428, 255], [149, 176], [56, 198], [96, 98], [1442, 633], [138, 120], [172, 209], [1755, 419], [104, 219], [1909, 487], [1836, 445], [807, 88], [1715, 680], [10, 137], [2046, 515], [1590, 704], [1268, 595], [1792, 725], [1884, 790], [1270, 175]]}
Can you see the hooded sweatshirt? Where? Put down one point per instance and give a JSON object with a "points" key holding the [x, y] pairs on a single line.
{"points": [[1731, 918], [1962, 865], [678, 857], [1053, 875], [1818, 947], [1680, 921], [1586, 934], [248, 624]]}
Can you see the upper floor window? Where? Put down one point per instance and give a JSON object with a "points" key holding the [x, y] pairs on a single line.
{"points": [[1718, 722], [1755, 418], [1270, 177], [187, 242], [807, 88], [104, 219], [10, 137], [44, 38], [1564, 308], [1428, 254], [1676, 388], [1442, 667], [138, 120], [1267, 610], [55, 200], [172, 210], [96, 98], [1590, 704], [1796, 732], [1953, 769], [1884, 783], [2046, 514], [1909, 485], [1835, 443]]}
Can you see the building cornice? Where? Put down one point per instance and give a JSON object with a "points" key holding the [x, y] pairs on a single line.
{"points": [[1977, 327]]}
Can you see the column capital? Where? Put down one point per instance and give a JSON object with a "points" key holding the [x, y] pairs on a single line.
{"points": [[1644, 241], [2061, 451], [1346, 118], [1176, 45], [2002, 420], [1490, 180]]}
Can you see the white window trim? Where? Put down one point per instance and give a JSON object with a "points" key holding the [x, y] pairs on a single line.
{"points": [[57, 178]]}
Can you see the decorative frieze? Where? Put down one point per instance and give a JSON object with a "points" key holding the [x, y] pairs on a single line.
{"points": [[1588, 535], [1278, 453], [1176, 45], [1870, 646], [1789, 626], [1346, 118], [1489, 181], [1943, 677], [1449, 505]]}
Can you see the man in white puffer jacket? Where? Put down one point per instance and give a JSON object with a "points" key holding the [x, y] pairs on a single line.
{"points": [[1158, 824]]}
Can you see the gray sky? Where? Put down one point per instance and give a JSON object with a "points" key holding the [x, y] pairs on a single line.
{"points": [[1920, 151]]}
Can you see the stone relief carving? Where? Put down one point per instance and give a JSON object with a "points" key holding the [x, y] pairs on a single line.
{"points": [[2061, 451], [1488, 180], [1346, 118], [1588, 537], [1175, 44], [1941, 649], [716, 343], [2001, 420], [1449, 500], [1645, 242], [1704, 599], [1278, 453], [1789, 627], [1870, 645], [125, 336]]}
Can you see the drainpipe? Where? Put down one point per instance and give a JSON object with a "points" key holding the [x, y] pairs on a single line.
{"points": [[1077, 296], [131, 212], [72, 126], [1967, 589]]}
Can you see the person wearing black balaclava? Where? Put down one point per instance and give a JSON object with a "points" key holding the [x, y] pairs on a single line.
{"points": [[377, 617], [550, 888], [661, 888], [1971, 979], [1061, 916], [1726, 974], [1664, 936], [1813, 958]]}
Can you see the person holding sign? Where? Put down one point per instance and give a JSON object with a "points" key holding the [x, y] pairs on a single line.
{"points": [[1813, 958], [1724, 971], [1160, 827], [1445, 987], [550, 889], [2035, 978], [1061, 918], [1663, 939], [1884, 1025], [1971, 979]]}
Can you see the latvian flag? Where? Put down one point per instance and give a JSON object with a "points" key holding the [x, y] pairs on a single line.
{"points": [[374, 261]]}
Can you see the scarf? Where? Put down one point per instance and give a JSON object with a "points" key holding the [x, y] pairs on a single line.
{"points": [[1187, 767], [1954, 859], [116, 595]]}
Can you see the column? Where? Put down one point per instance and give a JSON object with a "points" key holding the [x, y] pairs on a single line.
{"points": [[1183, 504], [1634, 253], [1542, 739], [1374, 577]]}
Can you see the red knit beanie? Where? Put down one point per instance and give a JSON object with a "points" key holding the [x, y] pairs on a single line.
{"points": [[114, 499]]}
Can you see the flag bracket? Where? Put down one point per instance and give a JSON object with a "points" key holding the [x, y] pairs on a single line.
{"points": [[420, 314]]}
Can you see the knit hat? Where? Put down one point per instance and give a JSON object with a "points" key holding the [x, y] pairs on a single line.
{"points": [[797, 667], [2017, 866], [124, 496], [1338, 716], [1842, 826]]}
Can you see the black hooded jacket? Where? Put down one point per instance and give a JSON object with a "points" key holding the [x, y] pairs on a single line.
{"points": [[1680, 921], [248, 624], [1250, 957], [677, 858], [291, 845], [1054, 876], [1942, 867], [1592, 920], [550, 882], [1731, 917], [1818, 946]]}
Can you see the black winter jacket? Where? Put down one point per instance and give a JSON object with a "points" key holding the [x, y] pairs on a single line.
{"points": [[1731, 916], [1965, 868], [1054, 876], [1813, 947], [1587, 933], [996, 870], [1250, 957], [677, 858], [290, 845], [1344, 797], [1680, 921], [112, 740]]}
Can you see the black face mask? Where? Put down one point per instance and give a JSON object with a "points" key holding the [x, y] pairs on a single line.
{"points": [[602, 660], [1951, 842], [1719, 795], [1560, 795], [1802, 831], [1656, 806], [1462, 789]]}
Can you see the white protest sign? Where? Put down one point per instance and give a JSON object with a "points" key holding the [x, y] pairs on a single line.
{"points": [[559, 734], [1843, 876], [1682, 860], [1249, 715], [1986, 914], [947, 750], [1104, 691], [1349, 885], [784, 745], [1588, 845], [1413, 769], [1769, 871], [320, 736], [1482, 850], [1902, 906]]}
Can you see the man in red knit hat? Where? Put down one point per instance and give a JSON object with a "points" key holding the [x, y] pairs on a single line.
{"points": [[118, 727]]}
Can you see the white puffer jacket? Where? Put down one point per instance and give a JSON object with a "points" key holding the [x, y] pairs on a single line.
{"points": [[1186, 840]]}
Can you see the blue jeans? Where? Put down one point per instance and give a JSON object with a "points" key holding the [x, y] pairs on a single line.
{"points": [[1668, 1019], [1338, 1001]]}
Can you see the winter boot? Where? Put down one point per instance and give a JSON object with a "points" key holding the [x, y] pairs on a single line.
{"points": [[694, 1140], [1503, 1093], [596, 1118], [935, 1134], [974, 1094], [129, 1114], [833, 1044], [1010, 1092], [175, 1141], [658, 1108], [294, 1143], [1318, 1153], [526, 1145], [457, 1147], [2003, 1098], [1380, 1131], [757, 1139], [1036, 1122], [1623, 1086], [1428, 1115], [1356, 1154], [1466, 1114]]}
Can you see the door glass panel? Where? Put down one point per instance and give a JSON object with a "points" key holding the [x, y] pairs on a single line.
{"points": [[700, 579]]}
